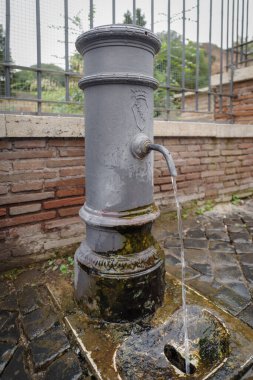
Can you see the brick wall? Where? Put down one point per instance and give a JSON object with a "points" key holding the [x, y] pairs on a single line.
{"points": [[208, 168], [42, 190], [42, 187], [242, 103]]}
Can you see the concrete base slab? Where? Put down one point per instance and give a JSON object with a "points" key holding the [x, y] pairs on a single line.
{"points": [[100, 341]]}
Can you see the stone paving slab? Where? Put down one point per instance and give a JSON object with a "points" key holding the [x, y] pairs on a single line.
{"points": [[15, 370], [65, 368], [6, 352], [28, 299], [33, 342], [49, 346], [9, 331], [38, 321]]}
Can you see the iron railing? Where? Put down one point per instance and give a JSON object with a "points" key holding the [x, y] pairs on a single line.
{"points": [[185, 68]]}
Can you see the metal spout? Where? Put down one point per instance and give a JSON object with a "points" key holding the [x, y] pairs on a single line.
{"points": [[167, 155], [141, 146]]}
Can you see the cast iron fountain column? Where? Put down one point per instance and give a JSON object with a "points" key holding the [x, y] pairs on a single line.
{"points": [[119, 268]]}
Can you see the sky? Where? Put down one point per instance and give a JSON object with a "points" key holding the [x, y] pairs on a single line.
{"points": [[23, 23]]}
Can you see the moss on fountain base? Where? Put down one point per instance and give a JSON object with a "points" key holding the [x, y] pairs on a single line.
{"points": [[119, 288]]}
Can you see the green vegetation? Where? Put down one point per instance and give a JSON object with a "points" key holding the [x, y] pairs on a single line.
{"points": [[190, 69], [235, 200], [64, 265], [208, 206], [139, 17]]}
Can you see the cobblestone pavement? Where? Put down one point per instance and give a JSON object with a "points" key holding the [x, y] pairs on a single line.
{"points": [[219, 256], [33, 342]]}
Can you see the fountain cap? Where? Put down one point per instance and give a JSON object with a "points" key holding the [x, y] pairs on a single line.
{"points": [[130, 35]]}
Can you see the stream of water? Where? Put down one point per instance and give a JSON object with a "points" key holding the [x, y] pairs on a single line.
{"points": [[185, 317]]}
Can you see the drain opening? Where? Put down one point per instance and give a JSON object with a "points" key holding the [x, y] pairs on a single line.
{"points": [[177, 359]]}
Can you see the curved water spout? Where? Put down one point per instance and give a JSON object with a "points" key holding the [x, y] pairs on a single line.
{"points": [[167, 155]]}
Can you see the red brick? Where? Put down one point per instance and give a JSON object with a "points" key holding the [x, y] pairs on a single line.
{"points": [[228, 190], [59, 223], [176, 148], [5, 166], [211, 193], [64, 202], [212, 173], [28, 164], [207, 160], [230, 170], [70, 192], [215, 185], [26, 154], [245, 145], [67, 152], [214, 153], [2, 211], [160, 164], [40, 143], [228, 183], [27, 186], [162, 180], [65, 182], [156, 189], [23, 219], [166, 187], [157, 173], [66, 142], [243, 170], [16, 177], [3, 190], [193, 154], [193, 161], [69, 211], [5, 144], [68, 172], [247, 162], [62, 162], [190, 169], [26, 209], [22, 198], [192, 176], [192, 148], [208, 147], [232, 152]]}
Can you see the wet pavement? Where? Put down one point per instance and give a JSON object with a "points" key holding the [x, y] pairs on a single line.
{"points": [[34, 340], [219, 257]]}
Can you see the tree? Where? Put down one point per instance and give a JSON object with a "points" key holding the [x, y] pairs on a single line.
{"points": [[139, 17], [176, 70], [25, 80], [2, 56]]}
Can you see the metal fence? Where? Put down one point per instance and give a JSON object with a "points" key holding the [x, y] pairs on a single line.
{"points": [[203, 41]]}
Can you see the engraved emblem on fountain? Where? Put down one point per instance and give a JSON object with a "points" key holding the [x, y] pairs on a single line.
{"points": [[140, 108]]}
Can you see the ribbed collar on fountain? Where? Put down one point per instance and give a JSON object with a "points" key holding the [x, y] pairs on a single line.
{"points": [[118, 78], [109, 34]]}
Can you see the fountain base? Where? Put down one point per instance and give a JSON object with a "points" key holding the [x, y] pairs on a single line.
{"points": [[119, 288], [223, 353]]}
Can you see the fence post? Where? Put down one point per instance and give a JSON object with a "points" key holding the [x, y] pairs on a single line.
{"points": [[7, 51], [38, 35]]}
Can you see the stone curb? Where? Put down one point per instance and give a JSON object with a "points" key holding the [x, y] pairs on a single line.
{"points": [[27, 126]]}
